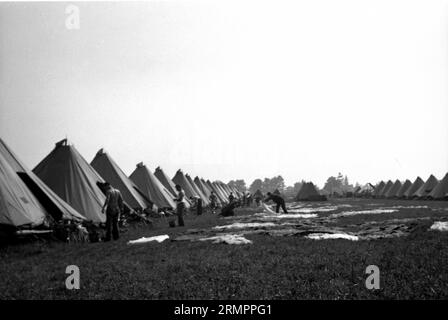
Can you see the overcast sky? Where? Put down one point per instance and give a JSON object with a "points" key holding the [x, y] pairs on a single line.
{"points": [[232, 89]]}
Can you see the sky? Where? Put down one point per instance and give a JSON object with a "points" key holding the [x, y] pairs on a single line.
{"points": [[232, 89]]}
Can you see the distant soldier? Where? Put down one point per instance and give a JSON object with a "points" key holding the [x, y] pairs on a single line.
{"points": [[231, 197], [198, 204], [249, 200], [180, 205], [213, 201], [243, 200], [114, 204], [279, 201], [257, 199]]}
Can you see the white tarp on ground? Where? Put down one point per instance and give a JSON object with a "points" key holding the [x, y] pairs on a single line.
{"points": [[354, 213], [267, 208], [271, 213], [407, 207], [310, 210], [159, 239], [440, 226], [239, 225], [325, 236], [287, 215], [228, 238]]}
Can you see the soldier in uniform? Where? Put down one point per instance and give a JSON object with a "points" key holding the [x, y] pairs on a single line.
{"points": [[114, 208], [279, 201]]}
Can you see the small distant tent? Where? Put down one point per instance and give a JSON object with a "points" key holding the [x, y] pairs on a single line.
{"points": [[308, 192], [73, 179], [207, 189], [368, 188], [222, 198], [392, 192], [277, 192], [226, 191], [426, 188], [111, 172], [165, 180], [380, 186], [181, 180], [441, 190], [386, 188], [413, 189], [198, 191], [223, 191], [404, 187], [56, 207], [151, 187], [204, 189], [235, 192], [364, 191]]}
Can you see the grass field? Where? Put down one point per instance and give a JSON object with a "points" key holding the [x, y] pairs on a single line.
{"points": [[289, 267]]}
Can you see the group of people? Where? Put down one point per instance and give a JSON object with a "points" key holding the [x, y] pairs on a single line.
{"points": [[114, 206]]}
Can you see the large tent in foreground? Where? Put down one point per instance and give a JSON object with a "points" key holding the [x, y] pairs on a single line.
{"points": [[413, 189], [151, 187], [426, 188], [17, 188], [404, 187], [18, 206], [392, 192], [441, 190], [308, 192], [111, 172], [73, 179]]}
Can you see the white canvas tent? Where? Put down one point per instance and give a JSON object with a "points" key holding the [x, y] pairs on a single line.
{"points": [[111, 172], [18, 206], [165, 180], [74, 180], [404, 187], [151, 187], [198, 191], [392, 192], [57, 208], [441, 190], [180, 179], [426, 188], [413, 189]]}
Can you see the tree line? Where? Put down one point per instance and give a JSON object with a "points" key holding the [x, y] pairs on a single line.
{"points": [[338, 184]]}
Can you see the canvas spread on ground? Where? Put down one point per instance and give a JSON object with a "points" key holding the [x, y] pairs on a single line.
{"points": [[223, 150]]}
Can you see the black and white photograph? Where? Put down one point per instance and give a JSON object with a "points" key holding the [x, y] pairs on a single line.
{"points": [[236, 152]]}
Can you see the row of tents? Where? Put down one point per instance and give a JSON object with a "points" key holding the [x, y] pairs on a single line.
{"points": [[431, 189], [64, 186]]}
